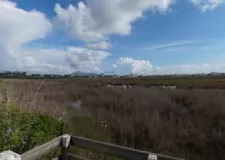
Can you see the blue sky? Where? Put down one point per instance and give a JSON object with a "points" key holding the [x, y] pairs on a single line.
{"points": [[117, 37]]}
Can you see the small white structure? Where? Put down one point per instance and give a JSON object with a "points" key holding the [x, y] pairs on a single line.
{"points": [[169, 87], [152, 157], [9, 155]]}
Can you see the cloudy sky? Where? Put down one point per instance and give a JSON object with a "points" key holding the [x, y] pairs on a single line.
{"points": [[141, 37]]}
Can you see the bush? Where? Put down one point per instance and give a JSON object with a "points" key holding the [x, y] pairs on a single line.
{"points": [[21, 131]]}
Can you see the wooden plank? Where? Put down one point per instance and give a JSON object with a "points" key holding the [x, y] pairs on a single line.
{"points": [[75, 157], [42, 150], [115, 150], [64, 154], [65, 142]]}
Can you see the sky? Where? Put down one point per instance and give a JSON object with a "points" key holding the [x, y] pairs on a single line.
{"points": [[141, 37]]}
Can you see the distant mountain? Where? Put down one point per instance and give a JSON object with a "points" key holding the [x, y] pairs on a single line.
{"points": [[82, 74], [216, 74]]}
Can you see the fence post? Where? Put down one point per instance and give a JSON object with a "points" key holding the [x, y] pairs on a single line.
{"points": [[152, 157], [65, 142]]}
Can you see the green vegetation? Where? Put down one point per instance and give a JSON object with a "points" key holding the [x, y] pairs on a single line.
{"points": [[86, 127], [21, 131]]}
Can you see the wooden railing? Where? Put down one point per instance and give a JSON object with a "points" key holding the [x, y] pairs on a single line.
{"points": [[67, 141]]}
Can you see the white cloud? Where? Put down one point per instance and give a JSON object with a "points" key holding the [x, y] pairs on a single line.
{"points": [[18, 27], [99, 45], [205, 5], [186, 69], [125, 66], [191, 68], [98, 19], [58, 61], [85, 60], [171, 45], [132, 66]]}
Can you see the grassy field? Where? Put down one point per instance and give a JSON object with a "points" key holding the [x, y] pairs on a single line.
{"points": [[187, 122], [204, 82]]}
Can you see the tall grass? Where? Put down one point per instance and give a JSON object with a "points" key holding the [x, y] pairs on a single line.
{"points": [[182, 123], [188, 123]]}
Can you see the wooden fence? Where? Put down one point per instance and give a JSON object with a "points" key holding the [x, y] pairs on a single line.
{"points": [[67, 141]]}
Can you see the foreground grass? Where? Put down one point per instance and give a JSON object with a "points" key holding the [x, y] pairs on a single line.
{"points": [[21, 131]]}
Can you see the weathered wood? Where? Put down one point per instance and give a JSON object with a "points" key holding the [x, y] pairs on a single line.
{"points": [[42, 150], [97, 146], [75, 157], [65, 142], [115, 150]]}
